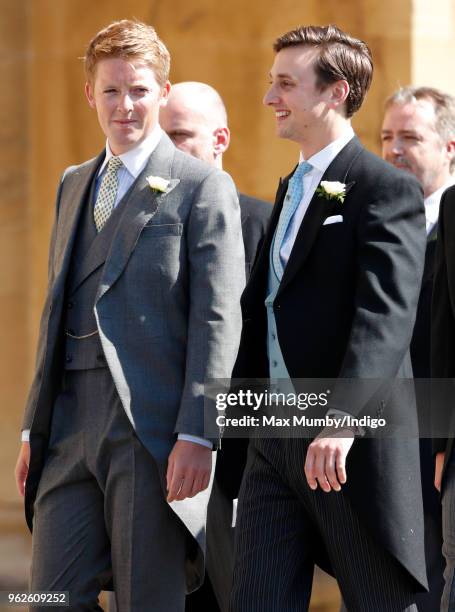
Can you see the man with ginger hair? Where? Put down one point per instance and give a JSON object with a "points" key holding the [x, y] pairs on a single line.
{"points": [[332, 295], [195, 119], [146, 269]]}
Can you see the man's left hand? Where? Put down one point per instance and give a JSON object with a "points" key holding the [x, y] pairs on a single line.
{"points": [[326, 459], [188, 470]]}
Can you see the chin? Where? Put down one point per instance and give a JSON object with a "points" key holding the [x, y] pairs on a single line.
{"points": [[282, 132]]}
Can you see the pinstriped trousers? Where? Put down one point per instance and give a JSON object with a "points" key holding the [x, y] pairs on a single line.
{"points": [[283, 527]]}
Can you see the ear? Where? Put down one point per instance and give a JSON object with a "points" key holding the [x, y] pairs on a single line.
{"points": [[221, 139], [339, 92], [450, 148], [165, 93], [89, 94]]}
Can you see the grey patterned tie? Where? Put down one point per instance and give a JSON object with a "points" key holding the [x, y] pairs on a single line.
{"points": [[107, 193]]}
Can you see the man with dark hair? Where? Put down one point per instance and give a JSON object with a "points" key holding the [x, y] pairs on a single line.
{"points": [[333, 295], [146, 269], [418, 135]]}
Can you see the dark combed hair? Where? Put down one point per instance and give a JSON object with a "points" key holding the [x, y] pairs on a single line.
{"points": [[340, 57]]}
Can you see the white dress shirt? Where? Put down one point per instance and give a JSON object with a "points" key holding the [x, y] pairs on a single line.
{"points": [[432, 203], [134, 162], [311, 180], [320, 162]]}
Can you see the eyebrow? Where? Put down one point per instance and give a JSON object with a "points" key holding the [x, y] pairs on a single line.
{"points": [[282, 75], [400, 131]]}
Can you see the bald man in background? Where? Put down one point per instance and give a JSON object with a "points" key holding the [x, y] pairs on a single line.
{"points": [[195, 119]]}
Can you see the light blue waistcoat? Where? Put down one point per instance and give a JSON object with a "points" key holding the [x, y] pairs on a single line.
{"points": [[277, 366]]}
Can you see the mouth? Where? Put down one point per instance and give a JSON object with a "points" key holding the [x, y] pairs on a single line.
{"points": [[281, 114], [124, 122], [400, 163]]}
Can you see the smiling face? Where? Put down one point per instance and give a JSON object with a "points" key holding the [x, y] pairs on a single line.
{"points": [[304, 112], [127, 98], [410, 141]]}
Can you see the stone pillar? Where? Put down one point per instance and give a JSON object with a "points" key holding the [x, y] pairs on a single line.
{"points": [[14, 231], [433, 44]]}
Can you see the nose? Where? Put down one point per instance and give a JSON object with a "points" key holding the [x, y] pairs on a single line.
{"points": [[396, 146], [270, 96], [125, 104], [392, 146]]}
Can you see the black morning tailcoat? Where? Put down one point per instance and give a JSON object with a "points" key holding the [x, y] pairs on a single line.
{"points": [[346, 309], [443, 320]]}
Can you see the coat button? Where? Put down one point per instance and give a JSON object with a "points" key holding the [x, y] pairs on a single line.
{"points": [[69, 358], [70, 305]]}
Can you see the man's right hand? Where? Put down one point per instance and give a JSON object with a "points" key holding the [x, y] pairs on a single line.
{"points": [[439, 464], [21, 469], [325, 462]]}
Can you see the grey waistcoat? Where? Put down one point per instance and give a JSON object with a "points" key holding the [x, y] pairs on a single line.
{"points": [[87, 259], [277, 366]]}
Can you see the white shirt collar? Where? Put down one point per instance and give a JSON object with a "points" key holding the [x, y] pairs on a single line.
{"points": [[323, 158], [135, 159], [432, 204]]}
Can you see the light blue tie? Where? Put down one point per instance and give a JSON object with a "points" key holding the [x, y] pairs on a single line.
{"points": [[293, 198]]}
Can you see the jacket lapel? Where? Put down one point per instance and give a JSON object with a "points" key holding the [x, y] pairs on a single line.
{"points": [[139, 207], [263, 257], [319, 209], [433, 235], [428, 269], [259, 272], [77, 186]]}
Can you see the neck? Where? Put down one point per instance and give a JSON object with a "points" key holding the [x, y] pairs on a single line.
{"points": [[428, 190], [324, 135], [218, 162]]}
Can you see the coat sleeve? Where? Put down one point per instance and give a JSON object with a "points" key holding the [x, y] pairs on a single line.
{"points": [[442, 327], [216, 281], [392, 241], [42, 336]]}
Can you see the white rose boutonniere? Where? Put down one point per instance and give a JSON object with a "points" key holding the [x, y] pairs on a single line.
{"points": [[332, 190], [158, 184]]}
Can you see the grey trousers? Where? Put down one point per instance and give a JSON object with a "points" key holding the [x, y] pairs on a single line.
{"points": [[282, 527], [448, 533], [100, 511]]}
